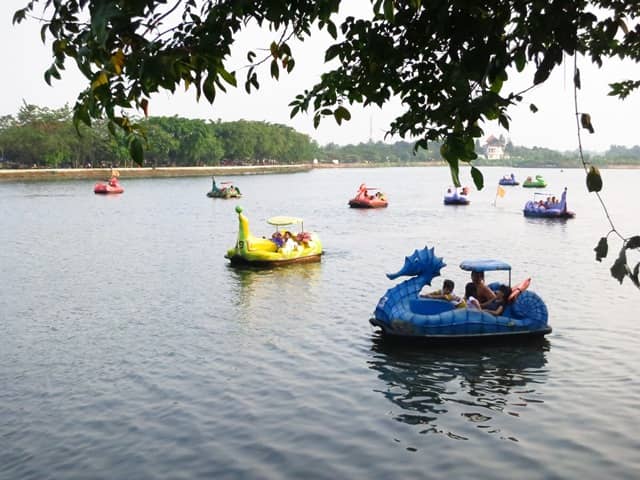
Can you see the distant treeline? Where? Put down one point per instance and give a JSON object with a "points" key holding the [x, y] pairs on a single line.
{"points": [[43, 137]]}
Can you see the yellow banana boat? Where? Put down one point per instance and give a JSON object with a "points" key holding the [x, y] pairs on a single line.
{"points": [[282, 248]]}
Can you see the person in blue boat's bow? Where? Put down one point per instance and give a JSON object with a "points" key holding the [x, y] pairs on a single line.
{"points": [[446, 293]]}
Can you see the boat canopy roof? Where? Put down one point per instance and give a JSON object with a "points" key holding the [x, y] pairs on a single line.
{"points": [[484, 265], [280, 221]]}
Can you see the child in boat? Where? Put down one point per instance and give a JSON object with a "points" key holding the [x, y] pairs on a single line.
{"points": [[470, 293], [497, 305], [446, 293]]}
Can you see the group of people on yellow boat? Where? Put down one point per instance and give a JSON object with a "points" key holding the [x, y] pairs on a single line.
{"points": [[287, 242]]}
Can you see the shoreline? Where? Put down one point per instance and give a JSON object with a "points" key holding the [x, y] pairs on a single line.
{"points": [[52, 174], [49, 174], [46, 174]]}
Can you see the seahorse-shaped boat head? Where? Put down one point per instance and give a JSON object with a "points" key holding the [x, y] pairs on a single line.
{"points": [[422, 265]]}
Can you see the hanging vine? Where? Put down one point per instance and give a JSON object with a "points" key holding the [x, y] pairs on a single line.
{"points": [[620, 268]]}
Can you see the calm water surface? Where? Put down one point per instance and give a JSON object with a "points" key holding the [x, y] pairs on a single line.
{"points": [[130, 349]]}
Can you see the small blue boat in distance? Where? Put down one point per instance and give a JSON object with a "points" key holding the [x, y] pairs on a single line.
{"points": [[402, 314], [509, 180]]}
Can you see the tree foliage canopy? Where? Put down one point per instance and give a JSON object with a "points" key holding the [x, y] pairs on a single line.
{"points": [[448, 61], [44, 137]]}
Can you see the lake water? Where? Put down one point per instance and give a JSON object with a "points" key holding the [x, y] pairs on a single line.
{"points": [[130, 349]]}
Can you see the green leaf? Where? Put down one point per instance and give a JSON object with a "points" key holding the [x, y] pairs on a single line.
{"points": [[19, 16], [290, 64], [478, 179], [341, 113], [520, 60], [331, 52], [585, 121], [285, 50], [275, 71], [81, 114], [254, 81], [229, 77], [634, 275], [99, 80], [455, 171], [622, 25], [619, 268], [136, 151], [331, 28], [601, 249], [633, 242], [388, 10], [594, 180], [209, 89], [51, 72], [274, 50], [496, 86]]}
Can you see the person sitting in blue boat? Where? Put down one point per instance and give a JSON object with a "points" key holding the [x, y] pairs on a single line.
{"points": [[446, 293], [483, 293], [470, 293], [497, 305]]}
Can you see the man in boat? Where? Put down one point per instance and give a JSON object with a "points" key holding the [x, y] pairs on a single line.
{"points": [[483, 293]]}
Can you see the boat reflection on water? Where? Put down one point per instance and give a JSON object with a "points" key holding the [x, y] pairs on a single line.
{"points": [[255, 285], [459, 391]]}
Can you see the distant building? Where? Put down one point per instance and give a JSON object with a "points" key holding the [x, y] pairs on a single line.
{"points": [[494, 148]]}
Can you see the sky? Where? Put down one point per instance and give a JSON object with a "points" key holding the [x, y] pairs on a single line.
{"points": [[25, 58]]}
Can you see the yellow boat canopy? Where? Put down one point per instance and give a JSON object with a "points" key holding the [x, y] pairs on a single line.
{"points": [[282, 221]]}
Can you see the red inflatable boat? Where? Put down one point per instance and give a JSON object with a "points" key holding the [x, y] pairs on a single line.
{"points": [[365, 199], [112, 186]]}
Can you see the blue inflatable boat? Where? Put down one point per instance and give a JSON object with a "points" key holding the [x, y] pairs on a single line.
{"points": [[509, 180], [402, 313], [548, 208]]}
